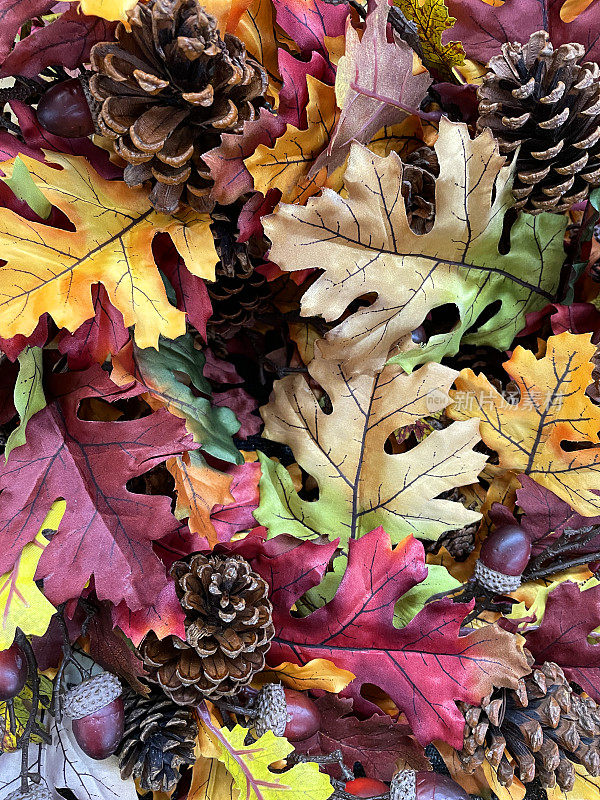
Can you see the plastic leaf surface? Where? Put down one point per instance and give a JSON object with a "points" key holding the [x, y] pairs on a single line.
{"points": [[29, 395], [432, 20]]}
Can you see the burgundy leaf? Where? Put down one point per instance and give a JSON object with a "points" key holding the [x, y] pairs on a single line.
{"points": [[238, 516], [308, 22], [243, 406], [293, 97], [13, 14], [110, 649]]}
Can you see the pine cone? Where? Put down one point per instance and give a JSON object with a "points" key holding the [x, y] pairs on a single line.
{"points": [[169, 87], [459, 543], [548, 103], [239, 294], [543, 725], [158, 740], [419, 172], [228, 629]]}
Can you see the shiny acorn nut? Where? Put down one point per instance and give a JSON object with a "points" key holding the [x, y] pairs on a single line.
{"points": [[411, 785], [96, 708], [366, 787], [13, 672], [64, 111], [504, 555], [286, 712]]}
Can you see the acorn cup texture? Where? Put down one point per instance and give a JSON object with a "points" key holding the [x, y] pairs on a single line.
{"points": [[228, 630], [158, 740], [95, 707], [543, 106], [168, 88], [35, 792], [543, 725]]}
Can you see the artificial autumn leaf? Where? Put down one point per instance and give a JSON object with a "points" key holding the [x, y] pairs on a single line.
{"points": [[65, 40], [379, 743], [374, 84], [112, 245], [111, 650], [424, 667], [294, 94], [364, 245], [157, 371], [164, 616], [112, 10], [432, 20], [360, 485], [22, 604], [483, 26], [199, 489], [310, 22], [571, 615], [107, 531], [29, 395], [317, 674], [211, 781], [14, 15], [232, 518], [551, 434], [586, 787], [287, 164], [22, 710], [249, 766], [256, 29]]}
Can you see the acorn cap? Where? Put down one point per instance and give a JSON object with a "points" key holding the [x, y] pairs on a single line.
{"points": [[403, 785], [35, 792], [271, 707], [92, 695], [496, 581]]}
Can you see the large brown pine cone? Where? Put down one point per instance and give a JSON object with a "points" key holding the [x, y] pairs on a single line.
{"points": [[159, 739], [169, 87], [421, 168], [548, 103], [539, 730], [228, 630]]}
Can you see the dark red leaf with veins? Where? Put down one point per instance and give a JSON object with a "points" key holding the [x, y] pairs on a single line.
{"points": [[107, 531]]}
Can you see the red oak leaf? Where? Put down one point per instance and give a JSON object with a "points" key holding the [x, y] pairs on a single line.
{"points": [[424, 667], [66, 41], [110, 649], [570, 617], [102, 335], [164, 616], [378, 743], [308, 22], [576, 318], [483, 27], [243, 406], [14, 346], [238, 516], [107, 531], [226, 162], [15, 14], [293, 97]]}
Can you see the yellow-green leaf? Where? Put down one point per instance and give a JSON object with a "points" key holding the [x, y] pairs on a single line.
{"points": [[432, 19], [29, 395], [22, 604]]}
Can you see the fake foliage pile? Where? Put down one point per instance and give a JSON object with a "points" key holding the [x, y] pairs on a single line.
{"points": [[299, 399]]}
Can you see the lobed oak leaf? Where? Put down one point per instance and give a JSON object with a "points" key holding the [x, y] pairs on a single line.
{"points": [[310, 22], [13, 15], [381, 744], [483, 27], [317, 674], [111, 245], [164, 616], [424, 667], [257, 30], [360, 485], [111, 650], [286, 165], [551, 434], [375, 85], [294, 94], [29, 395], [432, 20], [107, 531], [365, 247], [112, 10], [249, 765]]}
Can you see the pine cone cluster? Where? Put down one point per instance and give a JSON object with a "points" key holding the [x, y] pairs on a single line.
{"points": [[547, 103], [540, 730], [159, 739], [239, 294], [420, 169], [169, 87], [228, 630]]}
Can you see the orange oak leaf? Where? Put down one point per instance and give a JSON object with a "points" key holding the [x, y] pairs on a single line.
{"points": [[54, 270], [551, 434]]}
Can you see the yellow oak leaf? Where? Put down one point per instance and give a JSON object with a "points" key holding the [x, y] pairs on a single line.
{"points": [[286, 165], [586, 787], [432, 19], [199, 489], [361, 241], [53, 270], [112, 10], [571, 9], [316, 674], [256, 29], [211, 781], [361, 486], [551, 434], [22, 604]]}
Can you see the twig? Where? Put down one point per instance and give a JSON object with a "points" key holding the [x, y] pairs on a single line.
{"points": [[578, 561], [25, 738], [335, 757]]}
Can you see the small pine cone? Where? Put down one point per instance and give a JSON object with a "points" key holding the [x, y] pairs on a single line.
{"points": [[228, 630], [459, 543], [158, 740], [35, 792], [548, 103], [169, 87], [238, 294], [543, 725], [421, 168]]}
